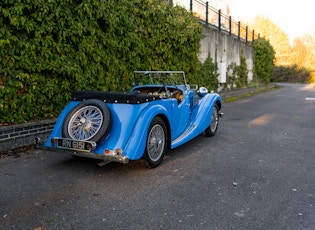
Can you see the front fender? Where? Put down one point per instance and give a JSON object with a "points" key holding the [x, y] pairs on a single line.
{"points": [[135, 146], [203, 111], [200, 119]]}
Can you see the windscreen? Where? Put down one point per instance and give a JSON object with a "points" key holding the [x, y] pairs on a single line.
{"points": [[159, 78]]}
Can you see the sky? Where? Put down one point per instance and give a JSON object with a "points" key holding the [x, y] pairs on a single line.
{"points": [[295, 18]]}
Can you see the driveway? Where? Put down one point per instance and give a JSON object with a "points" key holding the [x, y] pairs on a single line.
{"points": [[256, 173]]}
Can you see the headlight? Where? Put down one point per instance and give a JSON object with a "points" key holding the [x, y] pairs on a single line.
{"points": [[202, 91]]}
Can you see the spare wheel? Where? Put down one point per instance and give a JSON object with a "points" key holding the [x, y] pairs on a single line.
{"points": [[88, 121]]}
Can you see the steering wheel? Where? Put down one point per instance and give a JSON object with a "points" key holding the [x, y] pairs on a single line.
{"points": [[168, 94]]}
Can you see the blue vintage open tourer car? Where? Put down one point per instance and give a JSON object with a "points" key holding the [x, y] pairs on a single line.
{"points": [[160, 112]]}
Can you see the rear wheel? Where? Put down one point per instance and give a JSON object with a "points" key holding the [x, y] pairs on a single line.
{"points": [[156, 144], [212, 128]]}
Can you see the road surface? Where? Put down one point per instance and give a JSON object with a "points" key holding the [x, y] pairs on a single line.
{"points": [[258, 172]]}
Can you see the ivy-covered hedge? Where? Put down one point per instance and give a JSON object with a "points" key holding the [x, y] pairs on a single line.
{"points": [[207, 75], [237, 76], [48, 48]]}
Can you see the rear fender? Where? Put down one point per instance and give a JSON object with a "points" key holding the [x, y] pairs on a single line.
{"points": [[135, 147], [57, 131]]}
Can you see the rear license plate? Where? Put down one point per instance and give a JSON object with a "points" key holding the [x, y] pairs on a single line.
{"points": [[72, 144]]}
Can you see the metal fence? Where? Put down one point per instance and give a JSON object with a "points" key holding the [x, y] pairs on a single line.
{"points": [[215, 18]]}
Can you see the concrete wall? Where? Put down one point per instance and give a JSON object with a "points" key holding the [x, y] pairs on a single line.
{"points": [[225, 49]]}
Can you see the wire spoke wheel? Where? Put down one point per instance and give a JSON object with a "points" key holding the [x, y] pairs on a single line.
{"points": [[212, 128], [85, 123], [90, 120], [156, 143], [214, 119]]}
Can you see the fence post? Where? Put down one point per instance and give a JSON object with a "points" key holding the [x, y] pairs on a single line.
{"points": [[253, 36], [246, 33], [191, 5], [207, 12], [230, 25], [219, 20], [239, 30]]}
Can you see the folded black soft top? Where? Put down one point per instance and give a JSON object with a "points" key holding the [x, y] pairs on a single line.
{"points": [[114, 97]]}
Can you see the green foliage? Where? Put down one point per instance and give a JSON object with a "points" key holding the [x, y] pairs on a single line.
{"points": [[207, 75], [242, 73], [264, 60], [292, 74], [231, 76], [50, 48], [237, 76]]}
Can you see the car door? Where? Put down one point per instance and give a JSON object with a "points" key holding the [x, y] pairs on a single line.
{"points": [[181, 112]]}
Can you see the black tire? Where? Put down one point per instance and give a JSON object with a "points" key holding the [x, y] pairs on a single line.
{"points": [[213, 127], [90, 120], [156, 144]]}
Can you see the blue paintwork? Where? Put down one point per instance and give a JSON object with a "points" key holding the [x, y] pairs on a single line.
{"points": [[200, 119], [131, 122], [57, 131]]}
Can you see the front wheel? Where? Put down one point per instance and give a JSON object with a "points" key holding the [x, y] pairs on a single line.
{"points": [[212, 128], [156, 144]]}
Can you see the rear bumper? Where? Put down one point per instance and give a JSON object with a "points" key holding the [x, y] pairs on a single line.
{"points": [[104, 157]]}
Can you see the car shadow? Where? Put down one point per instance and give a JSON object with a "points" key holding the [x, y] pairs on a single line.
{"points": [[78, 164]]}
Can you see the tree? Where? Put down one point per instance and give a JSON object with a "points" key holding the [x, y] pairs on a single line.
{"points": [[242, 72], [278, 39], [303, 54], [264, 56]]}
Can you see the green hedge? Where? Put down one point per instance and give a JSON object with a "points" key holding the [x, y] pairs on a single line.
{"points": [[48, 48], [264, 58], [207, 75], [292, 74]]}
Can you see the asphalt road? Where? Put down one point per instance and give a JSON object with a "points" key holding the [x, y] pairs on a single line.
{"points": [[256, 173]]}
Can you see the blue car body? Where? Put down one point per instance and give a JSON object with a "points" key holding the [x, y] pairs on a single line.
{"points": [[185, 116]]}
